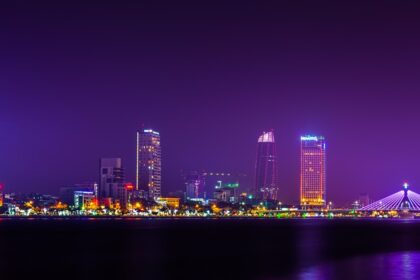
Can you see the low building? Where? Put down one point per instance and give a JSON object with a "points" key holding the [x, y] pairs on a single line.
{"points": [[85, 200], [172, 202], [227, 192]]}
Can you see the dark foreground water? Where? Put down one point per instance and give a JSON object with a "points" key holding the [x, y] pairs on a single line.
{"points": [[209, 249]]}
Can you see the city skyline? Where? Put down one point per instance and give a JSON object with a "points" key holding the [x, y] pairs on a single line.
{"points": [[210, 78], [147, 139], [209, 139]]}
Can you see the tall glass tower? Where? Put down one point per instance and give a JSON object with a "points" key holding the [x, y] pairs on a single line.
{"points": [[266, 167], [149, 164], [312, 171]]}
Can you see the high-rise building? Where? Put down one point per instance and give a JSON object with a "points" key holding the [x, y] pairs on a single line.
{"points": [[111, 179], [312, 171], [266, 167], [149, 164]]}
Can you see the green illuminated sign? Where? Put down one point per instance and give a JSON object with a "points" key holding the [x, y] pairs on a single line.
{"points": [[232, 185]]}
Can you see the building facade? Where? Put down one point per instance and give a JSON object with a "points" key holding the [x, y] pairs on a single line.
{"points": [[313, 171], [171, 202], [266, 167], [111, 180], [67, 192], [227, 192], [149, 164], [85, 200]]}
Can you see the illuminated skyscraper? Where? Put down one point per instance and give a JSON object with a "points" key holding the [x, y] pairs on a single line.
{"points": [[312, 171], [266, 167], [149, 164]]}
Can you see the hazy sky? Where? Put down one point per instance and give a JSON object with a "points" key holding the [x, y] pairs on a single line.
{"points": [[78, 79]]}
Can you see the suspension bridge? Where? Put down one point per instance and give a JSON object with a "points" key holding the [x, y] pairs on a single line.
{"points": [[404, 200]]}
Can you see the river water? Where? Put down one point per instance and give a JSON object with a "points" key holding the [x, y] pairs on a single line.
{"points": [[209, 249]]}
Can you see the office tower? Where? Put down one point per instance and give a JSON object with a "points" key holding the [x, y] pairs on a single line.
{"points": [[266, 167], [194, 185], [312, 171], [149, 164], [111, 180]]}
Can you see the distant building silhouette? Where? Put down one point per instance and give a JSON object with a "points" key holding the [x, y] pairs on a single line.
{"points": [[266, 167], [364, 199], [111, 187], [149, 164], [312, 171], [194, 183]]}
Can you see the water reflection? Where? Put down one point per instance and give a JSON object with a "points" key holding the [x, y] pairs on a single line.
{"points": [[390, 266]]}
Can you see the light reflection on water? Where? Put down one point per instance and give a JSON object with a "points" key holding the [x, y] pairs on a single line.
{"points": [[389, 266]]}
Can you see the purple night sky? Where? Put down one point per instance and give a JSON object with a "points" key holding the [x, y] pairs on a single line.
{"points": [[77, 80]]}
